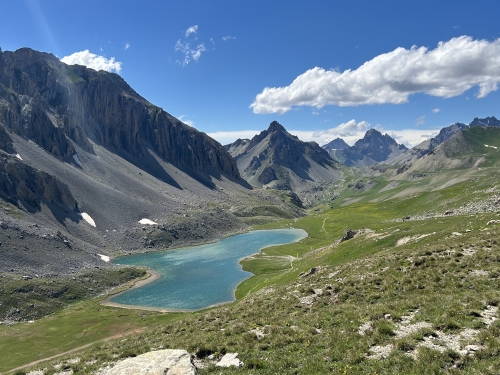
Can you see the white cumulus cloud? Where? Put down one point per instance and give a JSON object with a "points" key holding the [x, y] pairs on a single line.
{"points": [[349, 131], [225, 138], [226, 38], [436, 110], [93, 61], [445, 71], [191, 30]]}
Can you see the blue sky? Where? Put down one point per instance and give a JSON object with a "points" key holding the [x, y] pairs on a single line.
{"points": [[321, 68]]}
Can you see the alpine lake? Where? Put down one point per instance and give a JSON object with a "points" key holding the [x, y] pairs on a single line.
{"points": [[197, 277]]}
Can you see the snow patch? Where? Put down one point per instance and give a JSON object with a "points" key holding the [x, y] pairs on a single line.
{"points": [[495, 147], [18, 156], [77, 160], [87, 218], [104, 257], [147, 222]]}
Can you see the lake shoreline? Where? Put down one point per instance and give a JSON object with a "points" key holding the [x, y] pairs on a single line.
{"points": [[154, 275]]}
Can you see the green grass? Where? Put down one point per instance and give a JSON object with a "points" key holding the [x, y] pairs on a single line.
{"points": [[79, 324], [323, 338], [38, 297], [362, 280]]}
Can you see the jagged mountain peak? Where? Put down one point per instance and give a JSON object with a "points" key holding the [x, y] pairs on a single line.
{"points": [[373, 148], [81, 106], [488, 121], [275, 126], [281, 160]]}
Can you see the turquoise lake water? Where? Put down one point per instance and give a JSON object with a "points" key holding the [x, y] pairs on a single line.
{"points": [[196, 277]]}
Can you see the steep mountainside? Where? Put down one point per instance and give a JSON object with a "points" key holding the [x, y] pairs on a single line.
{"points": [[373, 148], [85, 158], [59, 106], [277, 159]]}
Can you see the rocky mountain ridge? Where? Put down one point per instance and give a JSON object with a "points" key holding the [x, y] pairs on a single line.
{"points": [[57, 106], [373, 148], [276, 159], [336, 144], [444, 134]]}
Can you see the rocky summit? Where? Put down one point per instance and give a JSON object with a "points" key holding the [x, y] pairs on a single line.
{"points": [[336, 144], [276, 159], [59, 107]]}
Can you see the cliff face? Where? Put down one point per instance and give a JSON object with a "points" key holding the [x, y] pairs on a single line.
{"points": [[52, 104], [23, 185]]}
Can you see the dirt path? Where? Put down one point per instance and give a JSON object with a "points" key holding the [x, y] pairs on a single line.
{"points": [[117, 336], [323, 226]]}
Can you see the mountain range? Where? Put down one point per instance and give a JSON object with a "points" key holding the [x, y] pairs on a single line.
{"points": [[90, 170], [84, 159]]}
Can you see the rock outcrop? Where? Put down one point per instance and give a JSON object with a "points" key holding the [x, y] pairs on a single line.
{"points": [[160, 362], [22, 185]]}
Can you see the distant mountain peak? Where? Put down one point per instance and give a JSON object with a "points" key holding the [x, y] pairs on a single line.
{"points": [[275, 126], [336, 144], [373, 148], [488, 121], [278, 159], [372, 131]]}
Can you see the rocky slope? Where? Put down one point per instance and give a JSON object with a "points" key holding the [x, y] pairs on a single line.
{"points": [[470, 148], [276, 159]]}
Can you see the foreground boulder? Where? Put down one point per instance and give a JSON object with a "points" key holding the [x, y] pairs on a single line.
{"points": [[160, 362], [229, 359]]}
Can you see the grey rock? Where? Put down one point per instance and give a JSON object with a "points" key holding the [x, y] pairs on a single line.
{"points": [[229, 359], [348, 235], [58, 106], [160, 362]]}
